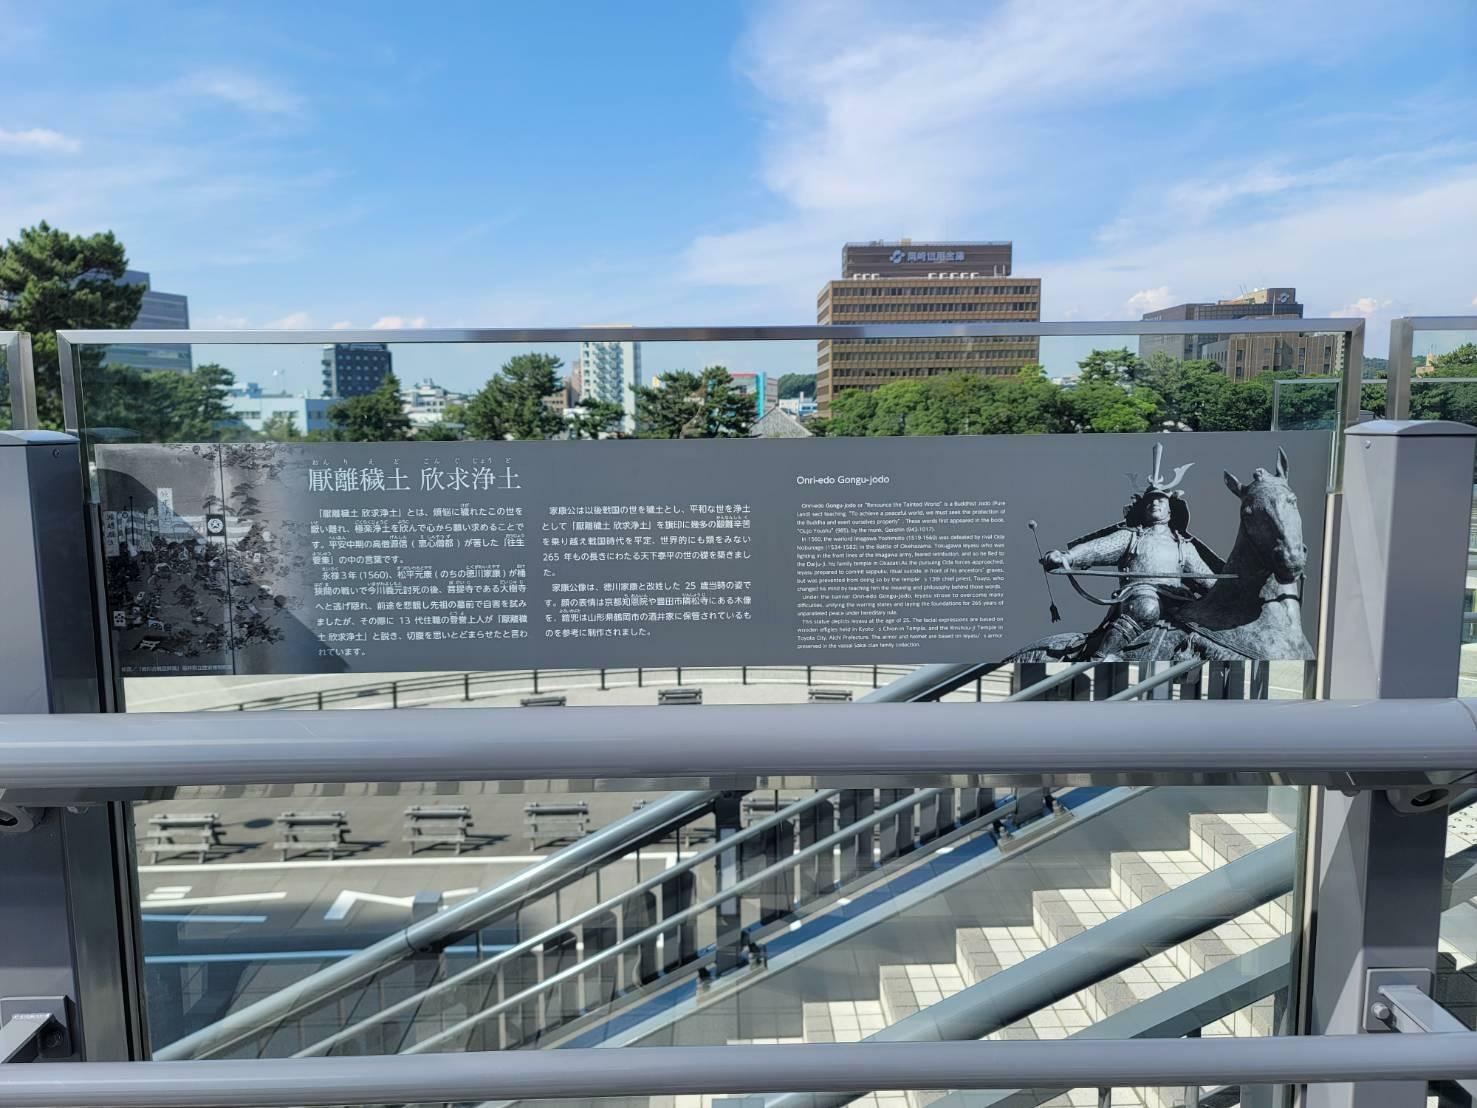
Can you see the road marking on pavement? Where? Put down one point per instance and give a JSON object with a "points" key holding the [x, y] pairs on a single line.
{"points": [[194, 901], [169, 892], [203, 919], [346, 900], [667, 857]]}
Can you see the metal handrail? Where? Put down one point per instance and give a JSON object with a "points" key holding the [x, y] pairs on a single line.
{"points": [[511, 682], [665, 1070], [753, 881], [562, 926], [1163, 677], [754, 830], [1093, 955], [540, 879], [761, 333], [1298, 742]]}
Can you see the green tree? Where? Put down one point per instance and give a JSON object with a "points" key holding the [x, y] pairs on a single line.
{"points": [[378, 416], [1111, 365], [511, 404], [595, 418], [725, 410], [162, 406], [1106, 397], [1455, 401], [851, 413], [280, 427], [51, 280], [792, 385], [669, 406]]}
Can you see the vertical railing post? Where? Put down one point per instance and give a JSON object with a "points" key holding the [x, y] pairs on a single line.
{"points": [[22, 376], [71, 921], [1399, 369], [1398, 586], [730, 922]]}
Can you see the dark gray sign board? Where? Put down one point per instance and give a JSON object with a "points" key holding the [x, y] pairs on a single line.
{"points": [[350, 557]]}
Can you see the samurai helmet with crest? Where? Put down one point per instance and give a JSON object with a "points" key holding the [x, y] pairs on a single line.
{"points": [[1136, 511]]}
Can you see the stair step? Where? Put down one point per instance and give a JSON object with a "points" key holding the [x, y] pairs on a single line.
{"points": [[841, 1021]]}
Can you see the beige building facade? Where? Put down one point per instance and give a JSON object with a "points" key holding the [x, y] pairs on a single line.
{"points": [[906, 282]]}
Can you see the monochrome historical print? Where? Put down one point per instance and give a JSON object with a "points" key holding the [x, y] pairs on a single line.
{"points": [[1175, 597]]}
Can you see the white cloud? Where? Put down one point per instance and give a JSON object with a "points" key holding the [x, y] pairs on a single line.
{"points": [[898, 128], [397, 323], [342, 325], [242, 90], [294, 321], [1332, 249], [38, 139], [1364, 307], [1149, 300]]}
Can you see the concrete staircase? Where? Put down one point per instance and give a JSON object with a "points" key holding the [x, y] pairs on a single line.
{"points": [[1057, 914]]}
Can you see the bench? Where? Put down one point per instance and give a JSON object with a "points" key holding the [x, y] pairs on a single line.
{"points": [[552, 701], [182, 833], [820, 695], [764, 804], [431, 825], [681, 694], [312, 833], [555, 821]]}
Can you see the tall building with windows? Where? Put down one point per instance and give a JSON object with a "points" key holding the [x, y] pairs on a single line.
{"points": [[159, 311], [1268, 303], [1314, 353], [355, 368], [925, 282], [610, 371]]}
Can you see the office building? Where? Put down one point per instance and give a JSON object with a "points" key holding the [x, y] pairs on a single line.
{"points": [[610, 371], [159, 311], [355, 368], [926, 282], [1258, 304], [425, 402], [1316, 353], [254, 407], [763, 387]]}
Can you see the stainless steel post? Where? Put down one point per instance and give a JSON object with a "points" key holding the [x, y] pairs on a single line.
{"points": [[69, 908], [1399, 585]]}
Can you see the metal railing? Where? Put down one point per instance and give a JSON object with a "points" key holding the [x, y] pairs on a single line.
{"points": [[407, 692], [1255, 742], [649, 910], [20, 393], [544, 879]]}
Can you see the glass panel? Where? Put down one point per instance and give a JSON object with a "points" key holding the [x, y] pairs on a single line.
{"points": [[853, 909], [858, 903], [914, 386], [1444, 386], [1456, 961], [5, 416]]}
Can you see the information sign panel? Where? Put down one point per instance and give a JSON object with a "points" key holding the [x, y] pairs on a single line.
{"points": [[336, 557]]}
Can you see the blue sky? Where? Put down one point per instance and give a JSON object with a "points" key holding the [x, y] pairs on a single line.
{"points": [[677, 163]]}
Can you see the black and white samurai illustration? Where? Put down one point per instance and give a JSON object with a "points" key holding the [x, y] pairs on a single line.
{"points": [[1176, 597]]}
